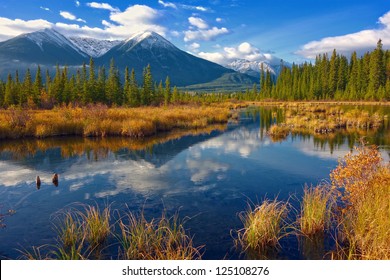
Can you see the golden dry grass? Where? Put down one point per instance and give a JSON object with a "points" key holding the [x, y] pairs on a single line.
{"points": [[263, 226], [101, 121]]}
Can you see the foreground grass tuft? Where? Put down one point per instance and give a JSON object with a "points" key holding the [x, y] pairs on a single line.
{"points": [[85, 234], [157, 239], [263, 226], [316, 210]]}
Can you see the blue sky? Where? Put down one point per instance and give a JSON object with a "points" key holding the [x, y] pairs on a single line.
{"points": [[218, 30]]}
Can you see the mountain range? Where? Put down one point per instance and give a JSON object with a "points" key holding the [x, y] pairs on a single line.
{"points": [[48, 48]]}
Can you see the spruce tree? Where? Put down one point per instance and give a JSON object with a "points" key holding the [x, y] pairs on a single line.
{"points": [[167, 91]]}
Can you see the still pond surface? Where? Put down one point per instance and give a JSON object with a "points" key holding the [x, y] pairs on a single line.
{"points": [[209, 177]]}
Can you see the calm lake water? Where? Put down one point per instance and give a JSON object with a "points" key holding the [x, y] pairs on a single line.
{"points": [[209, 177]]}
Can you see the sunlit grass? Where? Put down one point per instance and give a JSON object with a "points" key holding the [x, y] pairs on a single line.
{"points": [[157, 239], [101, 121], [85, 234], [316, 209], [365, 217], [264, 225]]}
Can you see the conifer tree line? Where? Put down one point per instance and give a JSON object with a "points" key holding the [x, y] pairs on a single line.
{"points": [[332, 78], [329, 78], [88, 85]]}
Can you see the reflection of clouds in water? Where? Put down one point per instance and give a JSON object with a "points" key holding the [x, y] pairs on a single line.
{"points": [[241, 141], [201, 170], [13, 174], [308, 148]]}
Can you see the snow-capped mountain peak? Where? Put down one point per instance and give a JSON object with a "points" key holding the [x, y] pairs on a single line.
{"points": [[49, 35], [253, 68], [93, 47], [148, 39]]}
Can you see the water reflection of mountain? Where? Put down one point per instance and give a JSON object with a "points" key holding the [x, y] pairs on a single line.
{"points": [[47, 155]]}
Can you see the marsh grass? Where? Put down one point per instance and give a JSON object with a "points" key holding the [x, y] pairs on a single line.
{"points": [[100, 121], [316, 209], [365, 222], [264, 226], [278, 132], [85, 234], [157, 239], [326, 119], [97, 224]]}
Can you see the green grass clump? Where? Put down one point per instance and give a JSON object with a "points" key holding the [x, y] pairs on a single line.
{"points": [[157, 239], [264, 226], [97, 225], [316, 210]]}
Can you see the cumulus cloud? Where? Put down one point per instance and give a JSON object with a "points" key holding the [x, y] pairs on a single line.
{"points": [[10, 28], [198, 22], [103, 6], [361, 41], [70, 16], [194, 47], [44, 8], [243, 51], [120, 25], [204, 34], [134, 19], [218, 19], [77, 3], [167, 4]]}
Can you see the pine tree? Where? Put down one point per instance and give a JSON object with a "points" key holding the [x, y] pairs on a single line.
{"points": [[9, 95], [135, 98], [333, 73], [175, 95], [38, 86], [147, 89], [26, 89], [91, 94], [126, 87], [167, 91], [101, 86], [377, 70], [113, 86]]}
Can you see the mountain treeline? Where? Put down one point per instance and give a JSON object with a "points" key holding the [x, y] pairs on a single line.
{"points": [[333, 78], [88, 85]]}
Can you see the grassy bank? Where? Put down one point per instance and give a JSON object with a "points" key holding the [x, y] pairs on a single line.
{"points": [[325, 119], [101, 121]]}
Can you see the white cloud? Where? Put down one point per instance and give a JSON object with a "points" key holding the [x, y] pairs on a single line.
{"points": [[167, 4], [228, 54], [77, 3], [218, 19], [103, 6], [361, 41], [194, 47], [10, 28], [44, 8], [198, 22], [70, 16], [196, 8], [120, 26], [135, 19], [204, 34]]}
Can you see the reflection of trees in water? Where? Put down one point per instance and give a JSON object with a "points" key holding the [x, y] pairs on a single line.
{"points": [[351, 136], [94, 148]]}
